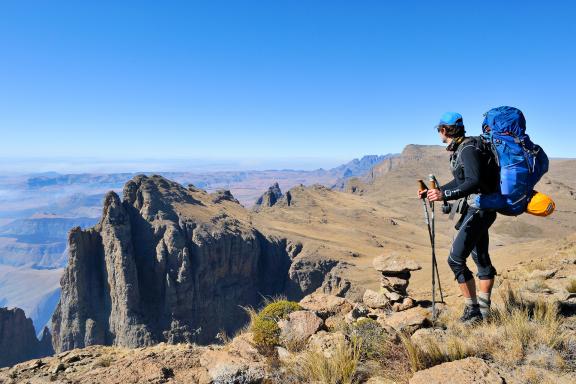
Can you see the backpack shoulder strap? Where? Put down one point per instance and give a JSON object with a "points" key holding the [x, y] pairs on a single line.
{"points": [[470, 141]]}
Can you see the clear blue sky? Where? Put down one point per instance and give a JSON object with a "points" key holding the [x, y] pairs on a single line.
{"points": [[276, 79]]}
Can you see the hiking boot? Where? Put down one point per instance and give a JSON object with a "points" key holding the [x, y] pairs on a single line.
{"points": [[471, 314]]}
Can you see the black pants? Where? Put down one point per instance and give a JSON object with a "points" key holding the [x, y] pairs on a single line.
{"points": [[472, 237]]}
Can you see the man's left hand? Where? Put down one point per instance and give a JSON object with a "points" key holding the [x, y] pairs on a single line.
{"points": [[435, 195]]}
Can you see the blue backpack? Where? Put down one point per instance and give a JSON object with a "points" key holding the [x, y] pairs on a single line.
{"points": [[522, 163]]}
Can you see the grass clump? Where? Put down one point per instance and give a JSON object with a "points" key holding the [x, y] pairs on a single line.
{"points": [[374, 338], [571, 287], [104, 362], [538, 286], [430, 351], [520, 333], [381, 351], [315, 367]]}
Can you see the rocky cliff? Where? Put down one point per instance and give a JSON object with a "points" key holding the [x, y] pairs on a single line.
{"points": [[165, 263], [18, 340], [269, 198]]}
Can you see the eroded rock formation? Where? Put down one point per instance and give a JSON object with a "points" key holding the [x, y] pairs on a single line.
{"points": [[269, 198], [165, 263]]}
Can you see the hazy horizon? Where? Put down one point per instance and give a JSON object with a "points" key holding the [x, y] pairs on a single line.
{"points": [[72, 165]]}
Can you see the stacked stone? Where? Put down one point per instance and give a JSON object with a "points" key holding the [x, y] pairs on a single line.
{"points": [[396, 272]]}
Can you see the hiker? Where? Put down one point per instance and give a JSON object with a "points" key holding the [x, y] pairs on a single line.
{"points": [[475, 172]]}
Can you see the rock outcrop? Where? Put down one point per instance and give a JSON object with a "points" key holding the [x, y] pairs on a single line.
{"points": [[269, 198], [18, 340], [465, 371], [165, 263]]}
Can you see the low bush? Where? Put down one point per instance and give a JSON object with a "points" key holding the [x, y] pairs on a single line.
{"points": [[264, 326], [280, 309], [265, 333]]}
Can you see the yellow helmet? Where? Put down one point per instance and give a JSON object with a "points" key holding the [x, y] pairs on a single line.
{"points": [[540, 205]]}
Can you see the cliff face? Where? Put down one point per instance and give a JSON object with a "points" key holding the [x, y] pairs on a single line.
{"points": [[164, 264], [269, 198], [18, 340]]}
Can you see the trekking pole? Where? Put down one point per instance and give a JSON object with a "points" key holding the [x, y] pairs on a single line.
{"points": [[435, 185], [423, 188]]}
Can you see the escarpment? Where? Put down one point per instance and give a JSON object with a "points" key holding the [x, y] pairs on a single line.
{"points": [[165, 263]]}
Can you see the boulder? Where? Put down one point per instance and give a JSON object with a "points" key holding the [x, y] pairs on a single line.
{"points": [[395, 283], [325, 305], [391, 295], [299, 326], [393, 264], [238, 362], [326, 342], [335, 322], [408, 321], [380, 380], [237, 373], [283, 354], [375, 299], [357, 312], [420, 336], [405, 304], [471, 370]]}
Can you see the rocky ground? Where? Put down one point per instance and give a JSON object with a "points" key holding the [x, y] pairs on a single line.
{"points": [[330, 339]]}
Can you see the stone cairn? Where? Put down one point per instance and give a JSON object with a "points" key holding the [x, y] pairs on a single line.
{"points": [[396, 272]]}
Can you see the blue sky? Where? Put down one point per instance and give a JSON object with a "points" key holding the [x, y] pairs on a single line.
{"points": [[275, 79]]}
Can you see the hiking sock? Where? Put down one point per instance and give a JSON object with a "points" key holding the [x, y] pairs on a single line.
{"points": [[484, 301], [470, 301]]}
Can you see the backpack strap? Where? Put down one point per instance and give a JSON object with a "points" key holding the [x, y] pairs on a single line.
{"points": [[470, 141]]}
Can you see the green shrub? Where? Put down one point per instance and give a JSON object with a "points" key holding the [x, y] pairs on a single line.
{"points": [[265, 333], [265, 330], [279, 309]]}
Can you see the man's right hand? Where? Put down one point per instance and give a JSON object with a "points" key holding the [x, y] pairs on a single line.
{"points": [[434, 195]]}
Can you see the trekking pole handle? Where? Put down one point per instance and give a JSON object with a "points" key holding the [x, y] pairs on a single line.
{"points": [[423, 187], [436, 185], [433, 182]]}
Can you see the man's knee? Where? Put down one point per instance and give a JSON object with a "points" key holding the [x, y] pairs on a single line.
{"points": [[461, 271]]}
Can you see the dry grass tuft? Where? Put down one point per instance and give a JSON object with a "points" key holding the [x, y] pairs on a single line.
{"points": [[571, 287], [315, 367], [541, 265], [538, 286], [519, 333], [103, 362], [518, 329], [431, 351]]}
